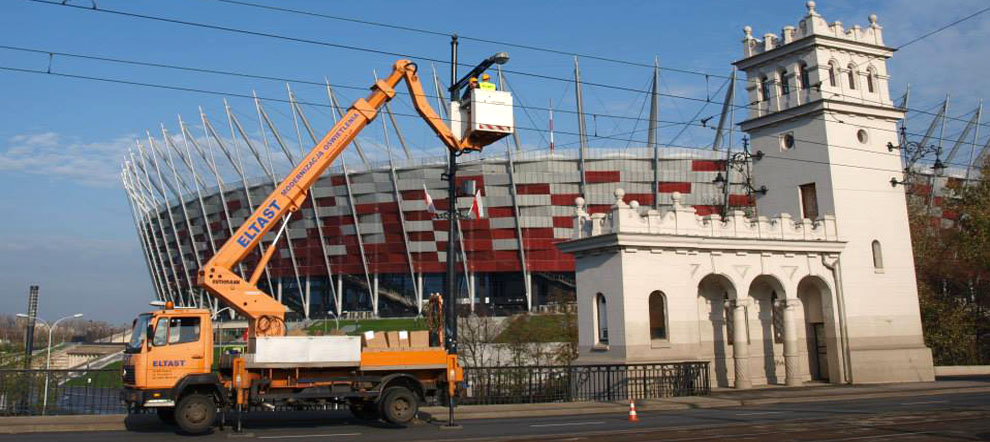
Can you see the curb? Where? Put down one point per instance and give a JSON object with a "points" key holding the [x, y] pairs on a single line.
{"points": [[120, 422]]}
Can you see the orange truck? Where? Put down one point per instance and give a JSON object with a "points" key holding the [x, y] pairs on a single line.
{"points": [[169, 361]]}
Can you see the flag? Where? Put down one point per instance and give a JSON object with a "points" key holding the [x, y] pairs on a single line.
{"points": [[430, 207], [477, 209]]}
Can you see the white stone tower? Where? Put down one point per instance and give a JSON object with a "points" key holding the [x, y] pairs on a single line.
{"points": [[822, 116]]}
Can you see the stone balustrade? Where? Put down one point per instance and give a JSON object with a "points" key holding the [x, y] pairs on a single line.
{"points": [[684, 221]]}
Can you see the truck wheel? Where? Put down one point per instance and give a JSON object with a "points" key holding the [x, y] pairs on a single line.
{"points": [[195, 413], [166, 415], [363, 410], [399, 405]]}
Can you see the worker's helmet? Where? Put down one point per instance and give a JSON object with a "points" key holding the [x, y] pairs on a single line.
{"points": [[486, 77], [473, 80]]}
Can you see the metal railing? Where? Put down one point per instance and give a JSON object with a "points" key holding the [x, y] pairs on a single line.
{"points": [[22, 392], [98, 391], [525, 384]]}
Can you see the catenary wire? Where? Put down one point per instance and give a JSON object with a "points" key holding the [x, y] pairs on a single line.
{"points": [[375, 51], [686, 124], [218, 93]]}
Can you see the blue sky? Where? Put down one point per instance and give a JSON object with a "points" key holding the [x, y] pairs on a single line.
{"points": [[67, 226]]}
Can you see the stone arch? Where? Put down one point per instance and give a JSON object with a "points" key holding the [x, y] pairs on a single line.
{"points": [[768, 294], [821, 329], [714, 290]]}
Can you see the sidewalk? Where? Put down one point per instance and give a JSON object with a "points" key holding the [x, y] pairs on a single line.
{"points": [[720, 398]]}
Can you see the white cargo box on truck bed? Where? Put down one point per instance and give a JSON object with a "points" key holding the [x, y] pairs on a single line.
{"points": [[305, 351]]}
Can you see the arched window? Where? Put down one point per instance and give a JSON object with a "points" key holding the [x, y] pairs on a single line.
{"points": [[658, 315], [803, 75], [831, 74], [877, 256], [785, 87], [601, 310], [869, 80], [765, 88], [852, 77]]}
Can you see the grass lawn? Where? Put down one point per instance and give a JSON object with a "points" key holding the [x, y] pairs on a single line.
{"points": [[356, 327], [100, 379]]}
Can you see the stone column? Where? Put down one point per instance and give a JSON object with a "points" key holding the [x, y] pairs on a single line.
{"points": [[740, 344], [791, 372]]}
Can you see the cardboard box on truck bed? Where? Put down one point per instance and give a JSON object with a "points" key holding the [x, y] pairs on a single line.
{"points": [[371, 339], [419, 339]]}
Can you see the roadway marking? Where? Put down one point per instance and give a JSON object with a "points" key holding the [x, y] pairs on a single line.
{"points": [[566, 424], [293, 436], [756, 413], [924, 402]]}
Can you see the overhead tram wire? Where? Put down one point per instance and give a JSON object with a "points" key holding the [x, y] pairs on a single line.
{"points": [[188, 89], [463, 37], [936, 31], [248, 96], [382, 52], [375, 51], [539, 48], [308, 82]]}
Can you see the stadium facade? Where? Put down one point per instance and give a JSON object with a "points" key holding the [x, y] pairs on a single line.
{"points": [[366, 242]]}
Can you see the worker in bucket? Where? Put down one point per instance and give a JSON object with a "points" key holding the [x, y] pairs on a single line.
{"points": [[486, 83], [472, 84]]}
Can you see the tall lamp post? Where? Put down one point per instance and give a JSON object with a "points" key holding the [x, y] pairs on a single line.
{"points": [[48, 362]]}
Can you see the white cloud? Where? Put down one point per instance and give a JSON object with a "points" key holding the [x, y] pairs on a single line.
{"points": [[53, 155]]}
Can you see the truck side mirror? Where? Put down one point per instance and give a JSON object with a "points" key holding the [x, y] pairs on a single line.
{"points": [[148, 335]]}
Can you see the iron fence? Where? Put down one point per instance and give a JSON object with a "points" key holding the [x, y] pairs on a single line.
{"points": [[522, 384], [55, 392], [23, 392]]}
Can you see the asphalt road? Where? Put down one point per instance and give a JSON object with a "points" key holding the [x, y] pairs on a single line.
{"points": [[935, 417]]}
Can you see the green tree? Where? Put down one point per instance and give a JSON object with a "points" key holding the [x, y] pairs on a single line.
{"points": [[952, 259]]}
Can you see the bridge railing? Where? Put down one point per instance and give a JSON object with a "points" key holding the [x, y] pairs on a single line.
{"points": [[572, 383], [22, 392]]}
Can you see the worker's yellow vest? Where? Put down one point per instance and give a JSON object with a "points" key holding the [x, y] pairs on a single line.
{"points": [[487, 85]]}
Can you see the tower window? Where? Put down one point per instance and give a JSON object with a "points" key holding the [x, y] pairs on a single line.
{"points": [[601, 310], [785, 87], [869, 80], [658, 316], [852, 77], [877, 256], [786, 141], [765, 88], [831, 74], [862, 136], [805, 80], [809, 201]]}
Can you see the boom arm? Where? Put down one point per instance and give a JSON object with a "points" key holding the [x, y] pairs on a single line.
{"points": [[265, 314]]}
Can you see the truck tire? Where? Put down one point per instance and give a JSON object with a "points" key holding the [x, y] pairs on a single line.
{"points": [[398, 405], [166, 415], [363, 410], [195, 413]]}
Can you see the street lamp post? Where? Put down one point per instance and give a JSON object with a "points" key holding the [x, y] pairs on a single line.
{"points": [[48, 361]]}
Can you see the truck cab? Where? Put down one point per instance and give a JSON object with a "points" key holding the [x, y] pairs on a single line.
{"points": [[166, 347]]}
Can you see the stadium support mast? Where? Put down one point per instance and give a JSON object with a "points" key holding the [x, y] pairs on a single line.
{"points": [[653, 134], [582, 129]]}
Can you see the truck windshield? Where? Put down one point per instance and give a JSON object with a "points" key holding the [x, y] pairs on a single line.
{"points": [[138, 334]]}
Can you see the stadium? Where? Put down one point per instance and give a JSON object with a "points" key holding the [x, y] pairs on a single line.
{"points": [[366, 244]]}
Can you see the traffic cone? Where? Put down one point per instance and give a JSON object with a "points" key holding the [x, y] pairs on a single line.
{"points": [[632, 412]]}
